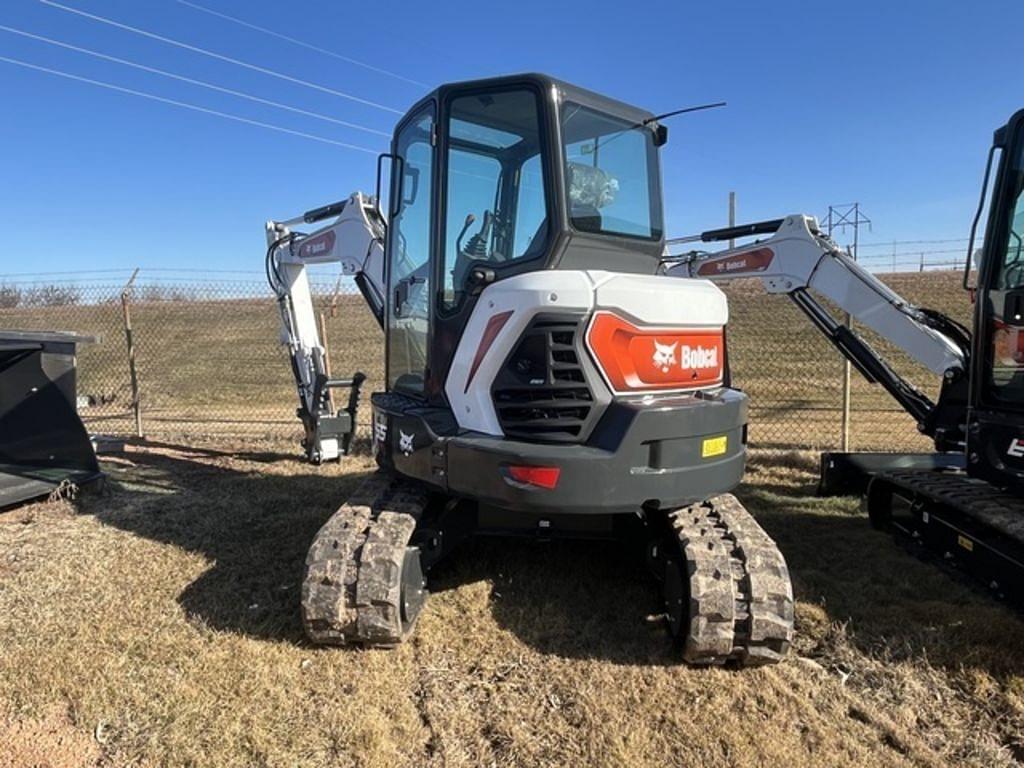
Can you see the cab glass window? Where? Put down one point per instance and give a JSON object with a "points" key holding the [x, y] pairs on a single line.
{"points": [[611, 172], [496, 204]]}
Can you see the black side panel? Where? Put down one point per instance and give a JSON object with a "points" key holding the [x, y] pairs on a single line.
{"points": [[996, 453], [970, 525], [42, 439]]}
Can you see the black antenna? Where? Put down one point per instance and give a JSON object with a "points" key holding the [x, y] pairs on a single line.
{"points": [[650, 120]]}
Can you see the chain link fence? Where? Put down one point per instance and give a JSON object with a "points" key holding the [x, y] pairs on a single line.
{"points": [[208, 363]]}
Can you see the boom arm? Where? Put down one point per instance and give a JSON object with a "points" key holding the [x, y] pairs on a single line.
{"points": [[355, 241], [796, 259]]}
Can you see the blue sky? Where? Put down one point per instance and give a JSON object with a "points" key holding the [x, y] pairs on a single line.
{"points": [[888, 103]]}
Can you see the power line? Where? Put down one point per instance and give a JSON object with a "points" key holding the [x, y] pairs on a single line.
{"points": [[186, 105], [302, 43], [891, 243], [883, 256], [192, 81], [219, 56]]}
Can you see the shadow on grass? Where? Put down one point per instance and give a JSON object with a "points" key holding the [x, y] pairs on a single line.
{"points": [[255, 527], [575, 599], [890, 603], [581, 599], [263, 457]]}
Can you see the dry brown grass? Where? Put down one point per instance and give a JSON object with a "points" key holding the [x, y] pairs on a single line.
{"points": [[163, 620]]}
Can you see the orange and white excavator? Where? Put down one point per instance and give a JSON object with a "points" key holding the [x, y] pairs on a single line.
{"points": [[542, 378]]}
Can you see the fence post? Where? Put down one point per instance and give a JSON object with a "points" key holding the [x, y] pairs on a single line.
{"points": [[132, 372]]}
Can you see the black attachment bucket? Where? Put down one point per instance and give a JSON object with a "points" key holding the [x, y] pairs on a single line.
{"points": [[42, 440]]}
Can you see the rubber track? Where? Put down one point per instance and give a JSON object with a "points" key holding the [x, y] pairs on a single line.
{"points": [[741, 597], [1002, 512], [351, 593]]}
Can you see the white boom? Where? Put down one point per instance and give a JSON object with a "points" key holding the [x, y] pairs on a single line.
{"points": [[355, 240], [798, 257]]}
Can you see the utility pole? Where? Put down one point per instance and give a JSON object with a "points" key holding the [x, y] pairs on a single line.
{"points": [[840, 217], [732, 216]]}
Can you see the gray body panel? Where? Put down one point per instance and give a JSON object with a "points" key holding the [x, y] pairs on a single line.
{"points": [[639, 455]]}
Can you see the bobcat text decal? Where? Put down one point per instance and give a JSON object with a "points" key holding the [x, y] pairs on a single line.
{"points": [[752, 261], [638, 359]]}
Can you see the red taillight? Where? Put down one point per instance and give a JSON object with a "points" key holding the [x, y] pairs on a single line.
{"points": [[541, 477]]}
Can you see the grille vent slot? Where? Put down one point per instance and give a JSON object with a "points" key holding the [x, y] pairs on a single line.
{"points": [[542, 393]]}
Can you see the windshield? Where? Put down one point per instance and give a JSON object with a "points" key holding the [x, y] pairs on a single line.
{"points": [[611, 171], [496, 202]]}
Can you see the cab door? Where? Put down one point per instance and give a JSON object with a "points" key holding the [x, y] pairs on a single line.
{"points": [[996, 434], [408, 253]]}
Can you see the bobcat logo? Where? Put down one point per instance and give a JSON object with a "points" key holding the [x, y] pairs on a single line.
{"points": [[664, 355], [405, 443]]}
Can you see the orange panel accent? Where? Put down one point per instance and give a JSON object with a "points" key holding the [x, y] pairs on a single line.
{"points": [[638, 359]]}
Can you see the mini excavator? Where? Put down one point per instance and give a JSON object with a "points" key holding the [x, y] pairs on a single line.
{"points": [[964, 502], [543, 376]]}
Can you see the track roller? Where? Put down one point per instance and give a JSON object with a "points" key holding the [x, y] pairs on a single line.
{"points": [[728, 594], [364, 583]]}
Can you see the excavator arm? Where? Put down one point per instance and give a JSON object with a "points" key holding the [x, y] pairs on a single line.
{"points": [[798, 260], [355, 240]]}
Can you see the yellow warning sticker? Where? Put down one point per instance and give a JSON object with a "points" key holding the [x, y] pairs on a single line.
{"points": [[714, 446], [966, 543]]}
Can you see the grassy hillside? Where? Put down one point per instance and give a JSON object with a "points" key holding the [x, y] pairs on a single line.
{"points": [[210, 364]]}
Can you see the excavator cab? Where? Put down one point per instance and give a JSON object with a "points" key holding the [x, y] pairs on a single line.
{"points": [[495, 178], [995, 434]]}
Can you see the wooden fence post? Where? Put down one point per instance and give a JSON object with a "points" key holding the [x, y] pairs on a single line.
{"points": [[130, 341]]}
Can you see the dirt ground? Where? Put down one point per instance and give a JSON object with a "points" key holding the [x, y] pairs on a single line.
{"points": [[157, 623]]}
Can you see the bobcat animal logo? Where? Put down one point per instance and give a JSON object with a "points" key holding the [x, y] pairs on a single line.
{"points": [[405, 443], [665, 355]]}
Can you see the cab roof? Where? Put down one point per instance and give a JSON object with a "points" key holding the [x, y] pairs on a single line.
{"points": [[546, 84]]}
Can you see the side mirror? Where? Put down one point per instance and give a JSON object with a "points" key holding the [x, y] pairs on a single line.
{"points": [[661, 136], [378, 199]]}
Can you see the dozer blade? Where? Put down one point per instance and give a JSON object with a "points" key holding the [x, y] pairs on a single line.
{"points": [[43, 442]]}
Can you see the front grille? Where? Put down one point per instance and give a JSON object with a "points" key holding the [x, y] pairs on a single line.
{"points": [[541, 392]]}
